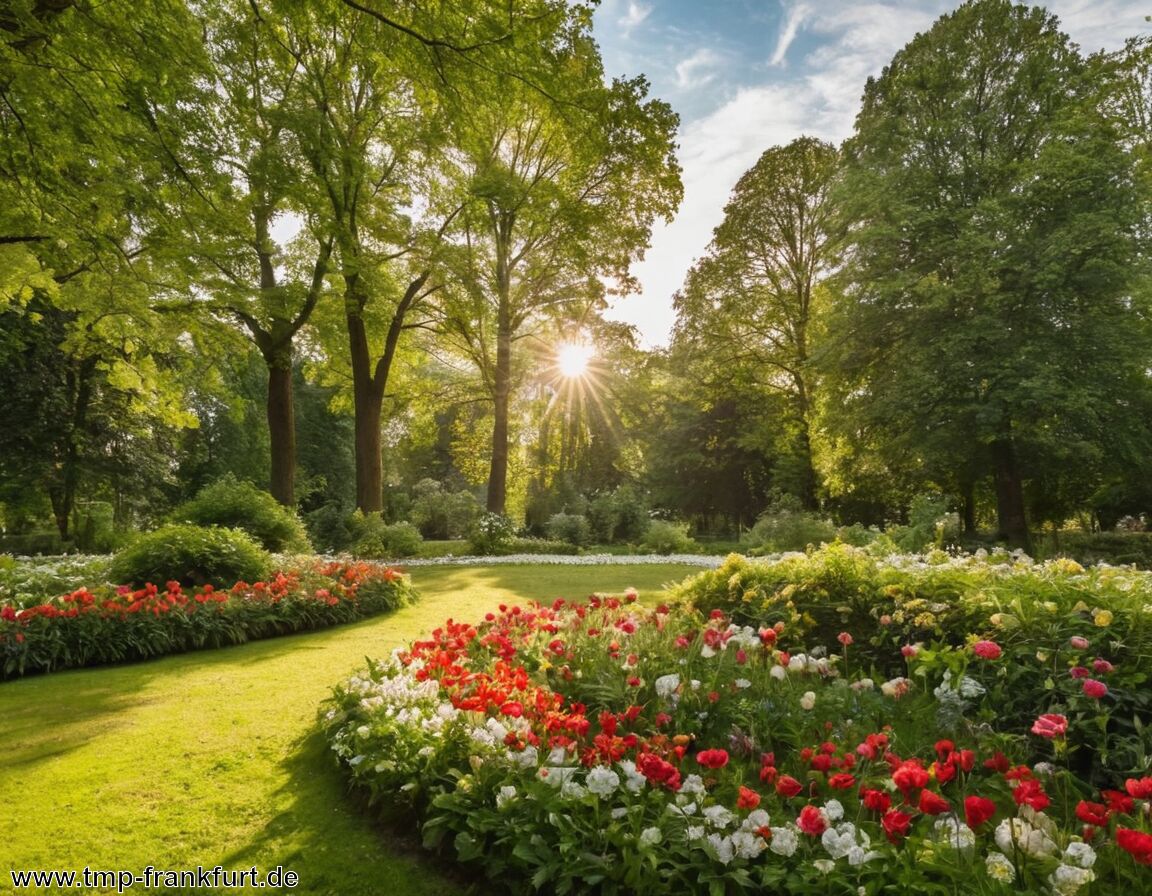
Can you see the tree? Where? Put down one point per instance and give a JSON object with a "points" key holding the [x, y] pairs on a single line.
{"points": [[560, 196], [991, 320], [750, 303]]}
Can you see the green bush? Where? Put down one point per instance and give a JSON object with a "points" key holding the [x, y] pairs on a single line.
{"points": [[665, 537], [443, 515], [328, 528], [788, 528], [373, 537], [28, 580], [930, 524], [537, 546], [240, 505], [1116, 548], [572, 528], [191, 555], [491, 534], [620, 515]]}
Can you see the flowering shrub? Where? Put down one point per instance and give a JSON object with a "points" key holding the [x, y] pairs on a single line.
{"points": [[605, 747], [108, 625]]}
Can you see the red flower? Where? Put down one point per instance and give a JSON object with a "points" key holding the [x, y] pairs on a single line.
{"points": [[1050, 725], [788, 787], [658, 771], [876, 800], [811, 821], [895, 824], [842, 781], [1079, 672], [1118, 802], [999, 762], [1095, 689], [1102, 667], [944, 747], [1137, 843], [910, 776], [512, 708], [1092, 813], [987, 650], [933, 804], [977, 810], [844, 638], [1140, 788], [712, 758], [1031, 793], [748, 798]]}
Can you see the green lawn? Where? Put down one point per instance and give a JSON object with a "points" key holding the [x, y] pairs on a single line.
{"points": [[210, 758]]}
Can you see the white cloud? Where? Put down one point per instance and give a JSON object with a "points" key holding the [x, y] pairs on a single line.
{"points": [[636, 14], [693, 71], [792, 25]]}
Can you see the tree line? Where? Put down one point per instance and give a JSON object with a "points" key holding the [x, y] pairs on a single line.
{"points": [[332, 248]]}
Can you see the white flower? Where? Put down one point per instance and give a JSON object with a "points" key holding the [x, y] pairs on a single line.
{"points": [[778, 672], [557, 775], [756, 819], [619, 812], [748, 845], [1000, 867], [825, 866], [666, 685], [695, 832], [833, 810], [863, 684], [425, 752], [1066, 880], [557, 756], [363, 731], [504, 795], [798, 662], [1018, 832], [650, 837], [693, 785], [718, 816], [723, 847], [680, 807], [526, 758], [955, 833], [784, 841], [1080, 854], [572, 790], [707, 652], [742, 683], [602, 781], [837, 842], [633, 780], [808, 700]]}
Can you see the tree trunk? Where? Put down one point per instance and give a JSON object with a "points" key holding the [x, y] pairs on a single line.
{"points": [[368, 399], [501, 390], [1011, 520], [968, 506], [282, 427]]}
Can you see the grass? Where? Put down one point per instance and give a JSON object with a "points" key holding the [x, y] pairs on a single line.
{"points": [[211, 758]]}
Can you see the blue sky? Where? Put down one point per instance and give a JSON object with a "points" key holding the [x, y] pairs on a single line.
{"points": [[745, 75]]}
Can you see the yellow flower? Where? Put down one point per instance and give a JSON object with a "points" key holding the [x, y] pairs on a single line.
{"points": [[1102, 618]]}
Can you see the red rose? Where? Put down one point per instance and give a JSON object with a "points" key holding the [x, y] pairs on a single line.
{"points": [[712, 758], [1092, 813], [1050, 725], [977, 810], [1095, 689], [748, 798], [842, 781], [811, 821], [1137, 843], [933, 804], [788, 787], [910, 776], [895, 824], [876, 800]]}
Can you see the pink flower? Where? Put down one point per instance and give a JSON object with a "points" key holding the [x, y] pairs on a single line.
{"points": [[844, 638], [1095, 689], [1079, 672], [1078, 643], [987, 650], [1102, 667], [1050, 725], [909, 650]]}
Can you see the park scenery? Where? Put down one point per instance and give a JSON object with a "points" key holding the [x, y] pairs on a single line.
{"points": [[353, 542]]}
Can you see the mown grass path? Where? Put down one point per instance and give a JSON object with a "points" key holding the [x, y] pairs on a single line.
{"points": [[212, 758]]}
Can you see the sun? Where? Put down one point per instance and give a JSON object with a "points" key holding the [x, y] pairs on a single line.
{"points": [[572, 359]]}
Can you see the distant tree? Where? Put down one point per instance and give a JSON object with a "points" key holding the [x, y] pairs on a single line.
{"points": [[751, 302], [994, 320]]}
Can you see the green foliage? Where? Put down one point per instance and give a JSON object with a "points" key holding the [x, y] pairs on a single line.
{"points": [[667, 537], [491, 533], [441, 514], [620, 515], [191, 555], [786, 526], [240, 505], [571, 528], [373, 537], [30, 580], [930, 524]]}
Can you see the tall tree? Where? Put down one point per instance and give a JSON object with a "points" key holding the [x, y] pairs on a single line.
{"points": [[749, 306], [561, 195], [990, 314]]}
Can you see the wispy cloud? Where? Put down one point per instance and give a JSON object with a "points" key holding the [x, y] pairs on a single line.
{"points": [[796, 16], [694, 71], [635, 15]]}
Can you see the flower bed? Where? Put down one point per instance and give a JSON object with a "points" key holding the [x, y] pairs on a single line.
{"points": [[109, 625], [605, 747]]}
